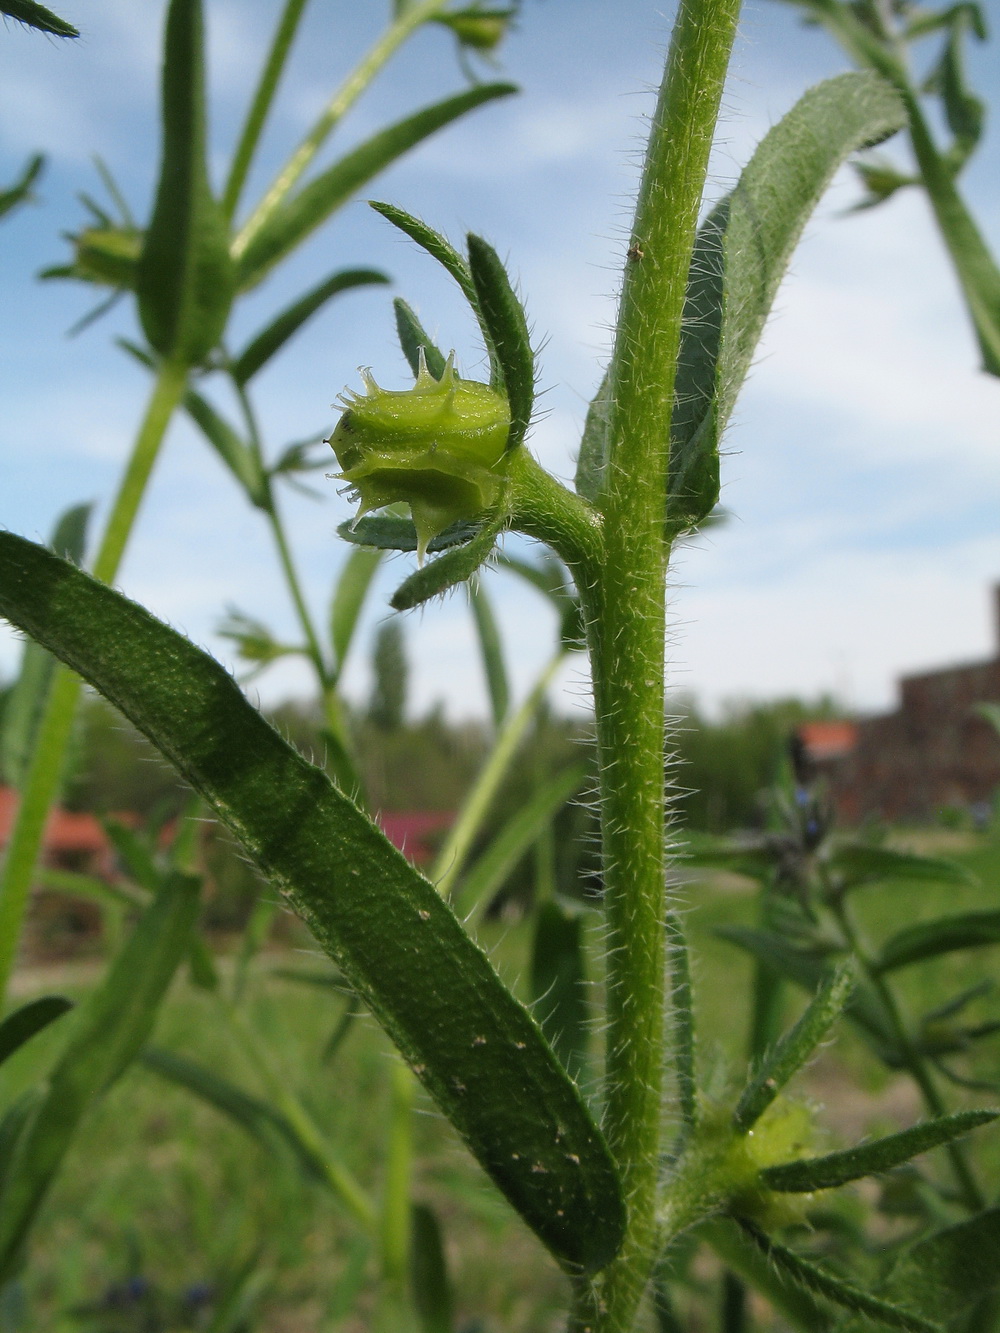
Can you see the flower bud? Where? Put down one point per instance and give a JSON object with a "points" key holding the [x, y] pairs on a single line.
{"points": [[439, 447], [477, 28]]}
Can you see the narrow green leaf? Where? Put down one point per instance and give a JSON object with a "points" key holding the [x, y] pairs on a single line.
{"points": [[37, 16], [185, 277], [432, 1295], [740, 257], [509, 339], [808, 970], [515, 839], [857, 864], [836, 1289], [23, 1023], [258, 1118], [477, 1050], [965, 113], [20, 191], [17, 1116], [110, 1028], [388, 532], [134, 855], [436, 245], [871, 1159], [348, 599], [729, 1241], [271, 339], [414, 339], [491, 650], [795, 1048], [303, 212], [945, 934], [944, 1274], [27, 699], [559, 981], [456, 566], [235, 453]]}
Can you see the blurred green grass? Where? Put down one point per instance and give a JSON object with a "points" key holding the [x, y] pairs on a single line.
{"points": [[160, 1184]]}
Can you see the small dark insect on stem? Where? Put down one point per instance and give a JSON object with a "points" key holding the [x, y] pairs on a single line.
{"points": [[635, 252]]}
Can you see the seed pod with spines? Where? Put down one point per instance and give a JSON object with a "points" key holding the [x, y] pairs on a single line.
{"points": [[439, 447]]}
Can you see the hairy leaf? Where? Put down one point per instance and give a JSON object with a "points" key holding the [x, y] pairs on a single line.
{"points": [[185, 277], [301, 213], [509, 339], [414, 339], [870, 1159], [388, 532], [741, 254], [443, 573], [946, 934], [477, 1050], [271, 339], [795, 1048]]}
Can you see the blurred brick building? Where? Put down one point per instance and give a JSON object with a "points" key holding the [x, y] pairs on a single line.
{"points": [[933, 752]]}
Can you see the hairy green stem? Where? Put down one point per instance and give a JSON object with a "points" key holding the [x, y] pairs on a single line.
{"points": [[261, 105], [41, 786], [398, 31], [626, 624]]}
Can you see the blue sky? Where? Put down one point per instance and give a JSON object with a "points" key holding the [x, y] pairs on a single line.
{"points": [[863, 462]]}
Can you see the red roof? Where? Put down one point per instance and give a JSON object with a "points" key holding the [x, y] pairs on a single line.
{"points": [[409, 830], [64, 832], [828, 740]]}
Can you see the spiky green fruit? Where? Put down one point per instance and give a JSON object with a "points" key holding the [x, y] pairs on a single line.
{"points": [[439, 447]]}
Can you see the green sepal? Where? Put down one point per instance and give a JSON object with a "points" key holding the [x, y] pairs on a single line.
{"points": [[447, 570], [185, 281], [271, 339], [301, 213], [473, 1045], [509, 340], [834, 1288], [436, 245], [414, 339], [389, 532], [945, 934], [870, 1159], [795, 1048]]}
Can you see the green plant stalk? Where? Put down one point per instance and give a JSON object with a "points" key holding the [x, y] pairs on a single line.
{"points": [[454, 852], [398, 31], [339, 1179], [394, 1222], [41, 785], [626, 624], [347, 775], [261, 105], [914, 1062], [974, 265]]}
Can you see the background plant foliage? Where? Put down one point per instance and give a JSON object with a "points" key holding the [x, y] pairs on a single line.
{"points": [[575, 1137]]}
